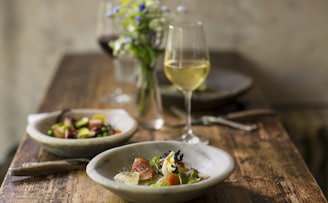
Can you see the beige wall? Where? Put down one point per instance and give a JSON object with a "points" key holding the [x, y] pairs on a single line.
{"points": [[287, 39]]}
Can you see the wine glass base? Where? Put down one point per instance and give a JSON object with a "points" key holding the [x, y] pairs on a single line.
{"points": [[116, 99], [154, 124], [193, 139]]}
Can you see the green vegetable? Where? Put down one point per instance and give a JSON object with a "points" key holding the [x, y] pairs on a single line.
{"points": [[183, 178], [159, 184], [192, 181], [154, 162], [193, 174], [57, 125], [82, 122], [51, 133], [85, 133]]}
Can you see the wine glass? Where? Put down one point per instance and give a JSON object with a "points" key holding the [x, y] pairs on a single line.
{"points": [[186, 65], [108, 30]]}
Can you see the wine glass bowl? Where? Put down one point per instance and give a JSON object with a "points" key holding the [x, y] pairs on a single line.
{"points": [[186, 65], [108, 30], [104, 40]]}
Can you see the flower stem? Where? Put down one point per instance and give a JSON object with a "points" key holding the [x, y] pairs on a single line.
{"points": [[147, 82]]}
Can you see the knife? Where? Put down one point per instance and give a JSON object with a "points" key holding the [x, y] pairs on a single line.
{"points": [[249, 113], [48, 167]]}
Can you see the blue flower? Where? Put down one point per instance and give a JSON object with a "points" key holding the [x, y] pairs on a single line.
{"points": [[165, 8], [113, 12], [109, 14], [127, 40], [181, 9], [138, 18], [116, 9], [141, 7], [151, 33]]}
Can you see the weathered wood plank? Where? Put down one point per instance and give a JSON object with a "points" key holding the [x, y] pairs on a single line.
{"points": [[309, 130]]}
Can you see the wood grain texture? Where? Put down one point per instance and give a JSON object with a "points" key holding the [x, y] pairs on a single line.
{"points": [[268, 166], [309, 131]]}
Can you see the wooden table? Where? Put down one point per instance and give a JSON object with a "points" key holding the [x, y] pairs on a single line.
{"points": [[268, 166]]}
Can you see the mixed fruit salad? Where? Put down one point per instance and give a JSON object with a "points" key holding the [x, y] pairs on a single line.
{"points": [[167, 170], [69, 127]]}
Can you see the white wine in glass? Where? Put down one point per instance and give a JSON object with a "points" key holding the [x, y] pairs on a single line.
{"points": [[186, 65]]}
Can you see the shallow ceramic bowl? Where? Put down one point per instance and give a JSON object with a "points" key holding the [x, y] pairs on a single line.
{"points": [[211, 161], [89, 147]]}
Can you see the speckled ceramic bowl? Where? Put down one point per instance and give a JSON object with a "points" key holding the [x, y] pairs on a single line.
{"points": [[211, 161], [87, 148]]}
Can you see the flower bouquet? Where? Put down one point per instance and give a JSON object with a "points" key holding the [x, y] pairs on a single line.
{"points": [[144, 24]]}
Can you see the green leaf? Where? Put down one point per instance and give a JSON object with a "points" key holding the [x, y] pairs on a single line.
{"points": [[151, 56], [159, 184], [154, 162], [183, 178]]}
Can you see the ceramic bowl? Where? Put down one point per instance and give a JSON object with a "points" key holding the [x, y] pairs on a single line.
{"points": [[88, 147], [211, 161]]}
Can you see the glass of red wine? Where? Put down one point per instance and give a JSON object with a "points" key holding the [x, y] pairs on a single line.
{"points": [[124, 68]]}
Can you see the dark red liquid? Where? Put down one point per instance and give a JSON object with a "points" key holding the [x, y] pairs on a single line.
{"points": [[104, 43]]}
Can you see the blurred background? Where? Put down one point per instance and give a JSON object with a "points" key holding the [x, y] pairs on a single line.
{"points": [[285, 39]]}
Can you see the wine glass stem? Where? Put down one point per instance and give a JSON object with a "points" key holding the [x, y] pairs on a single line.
{"points": [[188, 110]]}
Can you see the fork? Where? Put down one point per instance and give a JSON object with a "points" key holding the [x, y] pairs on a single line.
{"points": [[233, 124], [208, 120]]}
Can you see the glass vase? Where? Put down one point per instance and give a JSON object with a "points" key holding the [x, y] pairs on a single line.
{"points": [[148, 99]]}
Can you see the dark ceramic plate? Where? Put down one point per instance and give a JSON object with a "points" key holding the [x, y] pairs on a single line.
{"points": [[226, 86]]}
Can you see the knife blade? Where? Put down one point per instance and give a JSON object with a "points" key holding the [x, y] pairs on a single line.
{"points": [[48, 167], [249, 113]]}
